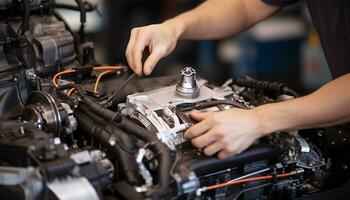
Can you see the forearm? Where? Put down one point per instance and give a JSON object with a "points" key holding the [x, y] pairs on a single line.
{"points": [[327, 106], [220, 18]]}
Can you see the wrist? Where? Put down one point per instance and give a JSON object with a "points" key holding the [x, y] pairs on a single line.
{"points": [[176, 26], [264, 125]]}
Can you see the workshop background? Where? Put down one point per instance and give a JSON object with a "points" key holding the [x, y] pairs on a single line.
{"points": [[283, 48]]}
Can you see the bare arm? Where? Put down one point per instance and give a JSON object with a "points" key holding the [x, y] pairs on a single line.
{"points": [[211, 20], [230, 132], [216, 19], [327, 106]]}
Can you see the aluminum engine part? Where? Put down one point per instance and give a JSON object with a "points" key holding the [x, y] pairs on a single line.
{"points": [[156, 108]]}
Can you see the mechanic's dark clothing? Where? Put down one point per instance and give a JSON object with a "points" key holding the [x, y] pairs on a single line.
{"points": [[331, 19]]}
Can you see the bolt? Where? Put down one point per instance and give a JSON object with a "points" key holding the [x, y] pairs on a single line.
{"points": [[23, 132], [345, 166], [112, 141]]}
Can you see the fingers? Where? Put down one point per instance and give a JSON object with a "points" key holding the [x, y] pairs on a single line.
{"points": [[137, 43], [224, 154], [130, 46], [142, 41], [198, 129], [199, 116], [213, 148], [205, 139], [151, 61]]}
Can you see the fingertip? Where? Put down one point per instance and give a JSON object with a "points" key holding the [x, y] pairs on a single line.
{"points": [[146, 71], [138, 73], [197, 116], [221, 156]]}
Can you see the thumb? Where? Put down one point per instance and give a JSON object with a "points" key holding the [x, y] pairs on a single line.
{"points": [[198, 116]]}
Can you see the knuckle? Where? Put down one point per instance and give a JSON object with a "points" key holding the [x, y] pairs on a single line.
{"points": [[226, 142], [134, 51], [220, 133], [134, 30], [231, 150], [161, 49]]}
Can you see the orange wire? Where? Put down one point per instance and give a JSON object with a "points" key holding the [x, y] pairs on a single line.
{"points": [[110, 67], [69, 71], [70, 91], [99, 78], [212, 187]]}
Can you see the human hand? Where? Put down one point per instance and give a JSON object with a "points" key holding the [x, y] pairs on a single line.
{"points": [[160, 39], [228, 132]]}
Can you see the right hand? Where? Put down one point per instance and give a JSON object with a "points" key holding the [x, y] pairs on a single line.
{"points": [[160, 39]]}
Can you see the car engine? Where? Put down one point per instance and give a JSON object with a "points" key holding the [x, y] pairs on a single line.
{"points": [[71, 128]]}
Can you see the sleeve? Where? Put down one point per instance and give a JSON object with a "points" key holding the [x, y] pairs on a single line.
{"points": [[280, 3]]}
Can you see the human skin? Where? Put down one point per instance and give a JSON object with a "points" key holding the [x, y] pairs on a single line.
{"points": [[230, 132]]}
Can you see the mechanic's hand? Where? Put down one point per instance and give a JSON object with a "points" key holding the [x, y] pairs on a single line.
{"points": [[160, 39], [228, 132]]}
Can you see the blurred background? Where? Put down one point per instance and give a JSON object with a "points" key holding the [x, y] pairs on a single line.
{"points": [[285, 47]]}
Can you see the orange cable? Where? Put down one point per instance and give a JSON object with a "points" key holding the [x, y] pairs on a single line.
{"points": [[69, 71], [99, 78], [212, 187], [70, 91]]}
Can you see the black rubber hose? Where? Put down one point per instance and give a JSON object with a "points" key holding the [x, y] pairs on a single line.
{"points": [[82, 10], [26, 16], [128, 144], [88, 7], [265, 85], [116, 92], [208, 104], [81, 7], [165, 157], [204, 165], [126, 159], [92, 105]]}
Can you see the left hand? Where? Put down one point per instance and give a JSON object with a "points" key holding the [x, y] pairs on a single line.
{"points": [[228, 132]]}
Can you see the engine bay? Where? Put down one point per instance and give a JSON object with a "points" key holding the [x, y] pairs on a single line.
{"points": [[71, 128]]}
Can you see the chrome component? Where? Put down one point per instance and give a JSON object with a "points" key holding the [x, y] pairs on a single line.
{"points": [[42, 110], [304, 146], [187, 87], [146, 175], [250, 174], [71, 122], [30, 74], [298, 171]]}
